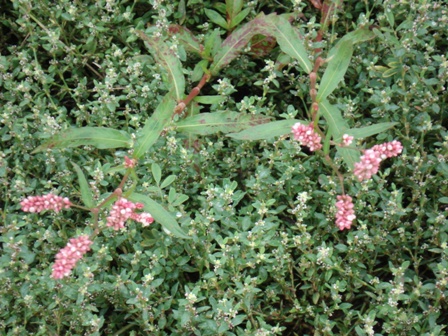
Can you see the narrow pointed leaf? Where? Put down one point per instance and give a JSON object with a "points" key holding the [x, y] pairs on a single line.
{"points": [[225, 122], [186, 38], [339, 57], [168, 60], [160, 215], [337, 127], [99, 137], [216, 18], [149, 134], [339, 60], [266, 131], [86, 192], [364, 132], [240, 17], [237, 41], [290, 42]]}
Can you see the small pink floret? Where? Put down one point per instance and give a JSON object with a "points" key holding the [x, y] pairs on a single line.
{"points": [[345, 214], [67, 257], [45, 202], [346, 140], [129, 163], [124, 209], [307, 136]]}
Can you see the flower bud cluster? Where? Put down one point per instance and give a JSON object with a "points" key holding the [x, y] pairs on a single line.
{"points": [[307, 136], [67, 257], [45, 202], [124, 209]]}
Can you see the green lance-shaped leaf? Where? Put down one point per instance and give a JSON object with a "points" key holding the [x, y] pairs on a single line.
{"points": [[99, 137], [160, 215], [168, 60], [289, 41], [225, 122], [337, 127], [186, 38], [364, 132], [149, 134], [216, 18], [266, 131], [339, 60], [232, 46], [86, 192]]}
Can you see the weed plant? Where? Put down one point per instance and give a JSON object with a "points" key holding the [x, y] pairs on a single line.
{"points": [[263, 254]]}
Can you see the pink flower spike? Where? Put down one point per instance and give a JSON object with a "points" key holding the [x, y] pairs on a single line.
{"points": [[129, 163], [67, 257], [346, 140], [389, 149], [345, 214], [45, 202], [307, 136], [122, 210], [369, 164]]}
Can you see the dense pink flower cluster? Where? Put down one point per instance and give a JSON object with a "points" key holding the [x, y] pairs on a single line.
{"points": [[389, 149], [307, 136], [345, 214], [45, 202], [67, 258], [123, 209], [371, 159]]}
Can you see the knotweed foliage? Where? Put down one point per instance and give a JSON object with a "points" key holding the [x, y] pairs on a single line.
{"points": [[223, 168]]}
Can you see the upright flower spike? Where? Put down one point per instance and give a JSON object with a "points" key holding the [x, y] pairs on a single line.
{"points": [[307, 136], [45, 202], [67, 257], [345, 214], [124, 209]]}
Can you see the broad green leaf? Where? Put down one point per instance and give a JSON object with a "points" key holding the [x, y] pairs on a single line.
{"points": [[265, 131], [237, 41], [160, 215], [337, 127], [99, 137], [165, 57], [339, 60], [290, 42], [364, 132], [149, 134], [216, 18], [156, 173], [225, 122], [86, 192]]}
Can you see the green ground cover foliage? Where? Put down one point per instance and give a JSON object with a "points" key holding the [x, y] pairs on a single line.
{"points": [[264, 255]]}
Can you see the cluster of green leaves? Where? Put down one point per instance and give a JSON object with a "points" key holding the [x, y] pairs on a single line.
{"points": [[264, 256]]}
